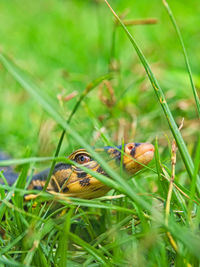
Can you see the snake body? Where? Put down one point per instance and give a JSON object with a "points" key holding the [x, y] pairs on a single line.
{"points": [[73, 181]]}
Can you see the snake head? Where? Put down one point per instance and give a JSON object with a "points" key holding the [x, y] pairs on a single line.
{"points": [[74, 181]]}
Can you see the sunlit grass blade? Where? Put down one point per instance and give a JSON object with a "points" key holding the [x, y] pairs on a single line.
{"points": [[18, 199], [87, 90], [162, 100], [196, 97], [97, 204], [10, 262], [193, 184], [9, 162], [64, 239]]}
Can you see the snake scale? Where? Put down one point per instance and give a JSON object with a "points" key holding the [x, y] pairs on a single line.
{"points": [[73, 181]]}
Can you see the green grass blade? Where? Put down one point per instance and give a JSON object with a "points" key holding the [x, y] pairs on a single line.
{"points": [[40, 259], [196, 97], [112, 230], [190, 239], [87, 90], [3, 205], [90, 249], [97, 204], [47, 227], [162, 184], [12, 244], [193, 184], [10, 263], [161, 98], [63, 243], [9, 162]]}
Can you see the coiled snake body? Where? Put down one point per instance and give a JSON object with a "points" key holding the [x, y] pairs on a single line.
{"points": [[73, 181]]}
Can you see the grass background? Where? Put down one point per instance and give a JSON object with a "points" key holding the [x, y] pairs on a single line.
{"points": [[64, 45]]}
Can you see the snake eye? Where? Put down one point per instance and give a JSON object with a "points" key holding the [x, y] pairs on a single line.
{"points": [[81, 159]]}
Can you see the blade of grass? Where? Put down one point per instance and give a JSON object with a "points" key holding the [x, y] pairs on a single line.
{"points": [[63, 242], [190, 239], [13, 243], [172, 18], [87, 90], [160, 95], [39, 258], [90, 249], [111, 230], [93, 204], [89, 227], [47, 227], [18, 199], [8, 262], [3, 206], [193, 184], [161, 183], [24, 160]]}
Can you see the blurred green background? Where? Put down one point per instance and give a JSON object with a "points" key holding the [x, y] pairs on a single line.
{"points": [[64, 45]]}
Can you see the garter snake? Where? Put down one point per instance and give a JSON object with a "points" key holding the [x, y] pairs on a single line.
{"points": [[71, 180]]}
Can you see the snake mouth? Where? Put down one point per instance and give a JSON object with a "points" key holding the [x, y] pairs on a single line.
{"points": [[138, 155]]}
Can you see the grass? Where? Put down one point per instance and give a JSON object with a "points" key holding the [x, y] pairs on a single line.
{"points": [[151, 219]]}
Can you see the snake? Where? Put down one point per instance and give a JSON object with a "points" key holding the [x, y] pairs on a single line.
{"points": [[71, 180]]}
